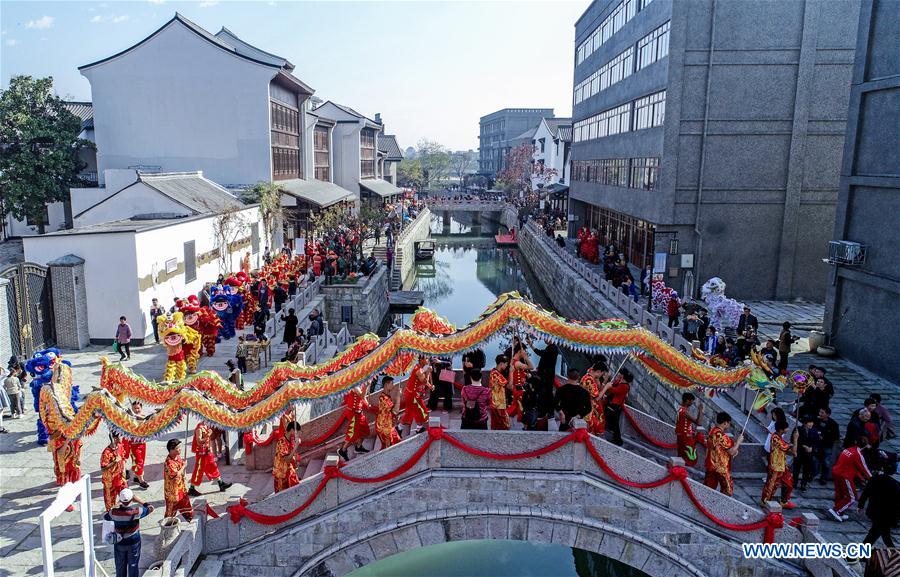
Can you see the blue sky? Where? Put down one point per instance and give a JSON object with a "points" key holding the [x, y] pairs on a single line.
{"points": [[431, 68]]}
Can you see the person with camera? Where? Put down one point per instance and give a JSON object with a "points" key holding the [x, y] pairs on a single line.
{"points": [[126, 536]]}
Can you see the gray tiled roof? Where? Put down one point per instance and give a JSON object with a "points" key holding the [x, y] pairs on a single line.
{"points": [[84, 111], [387, 143], [318, 192], [380, 187], [565, 133], [198, 194], [555, 124]]}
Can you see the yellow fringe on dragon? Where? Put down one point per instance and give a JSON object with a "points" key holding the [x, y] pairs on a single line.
{"points": [[213, 399]]}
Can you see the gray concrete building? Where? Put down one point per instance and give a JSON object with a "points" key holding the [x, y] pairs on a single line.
{"points": [[712, 130], [497, 132], [861, 312]]}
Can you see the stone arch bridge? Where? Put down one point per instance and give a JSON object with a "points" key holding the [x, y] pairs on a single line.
{"points": [[441, 492]]}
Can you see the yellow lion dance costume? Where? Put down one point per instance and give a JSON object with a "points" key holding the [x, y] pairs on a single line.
{"points": [[175, 335]]}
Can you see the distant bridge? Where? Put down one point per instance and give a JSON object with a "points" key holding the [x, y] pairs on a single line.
{"points": [[439, 203]]}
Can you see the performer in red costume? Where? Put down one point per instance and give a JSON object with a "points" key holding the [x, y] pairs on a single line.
{"points": [[685, 432], [720, 449], [176, 497], [414, 407], [520, 365], [356, 405], [500, 385], [594, 382], [112, 471], [204, 460], [136, 450], [778, 472], [850, 466], [284, 467], [385, 420]]}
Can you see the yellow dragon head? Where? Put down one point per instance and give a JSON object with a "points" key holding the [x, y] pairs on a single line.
{"points": [[173, 331]]}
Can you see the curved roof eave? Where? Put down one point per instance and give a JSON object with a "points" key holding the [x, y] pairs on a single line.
{"points": [[196, 29]]}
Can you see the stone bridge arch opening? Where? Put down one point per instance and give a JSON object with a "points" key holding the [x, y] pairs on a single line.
{"points": [[472, 523]]}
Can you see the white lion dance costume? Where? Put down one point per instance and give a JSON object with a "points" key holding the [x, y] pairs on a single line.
{"points": [[723, 311]]}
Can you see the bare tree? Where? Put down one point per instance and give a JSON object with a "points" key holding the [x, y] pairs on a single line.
{"points": [[228, 227], [461, 162]]}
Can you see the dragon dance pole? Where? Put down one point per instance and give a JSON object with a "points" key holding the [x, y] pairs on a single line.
{"points": [[744, 428], [187, 427]]}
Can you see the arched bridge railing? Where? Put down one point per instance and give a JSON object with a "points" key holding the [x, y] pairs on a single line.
{"points": [[577, 454]]}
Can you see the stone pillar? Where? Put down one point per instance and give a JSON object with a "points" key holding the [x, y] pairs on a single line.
{"points": [[580, 455], [5, 328], [69, 302], [434, 451]]}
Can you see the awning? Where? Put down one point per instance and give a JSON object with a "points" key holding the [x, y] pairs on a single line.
{"points": [[557, 189], [317, 192], [380, 187]]}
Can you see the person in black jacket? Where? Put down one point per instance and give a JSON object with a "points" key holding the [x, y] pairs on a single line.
{"points": [[829, 444], [747, 321], [882, 493], [546, 372], [572, 401]]}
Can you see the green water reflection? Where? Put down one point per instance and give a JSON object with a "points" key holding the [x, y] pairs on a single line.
{"points": [[469, 272], [496, 559]]}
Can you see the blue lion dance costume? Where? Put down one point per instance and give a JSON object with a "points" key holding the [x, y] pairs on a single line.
{"points": [[228, 306], [40, 367]]}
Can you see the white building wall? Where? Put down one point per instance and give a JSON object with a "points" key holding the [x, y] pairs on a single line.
{"points": [[552, 156], [183, 104], [110, 275], [159, 245], [136, 199], [345, 153]]}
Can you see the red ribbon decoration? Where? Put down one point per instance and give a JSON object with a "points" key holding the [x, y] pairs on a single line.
{"points": [[251, 439], [652, 440], [770, 523]]}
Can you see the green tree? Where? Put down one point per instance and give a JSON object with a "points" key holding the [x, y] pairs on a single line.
{"points": [[409, 173], [39, 148], [268, 195]]}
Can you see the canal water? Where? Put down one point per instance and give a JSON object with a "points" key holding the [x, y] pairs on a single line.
{"points": [[496, 558], [469, 272]]}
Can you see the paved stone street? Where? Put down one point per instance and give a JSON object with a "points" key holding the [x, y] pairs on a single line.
{"points": [[26, 472]]}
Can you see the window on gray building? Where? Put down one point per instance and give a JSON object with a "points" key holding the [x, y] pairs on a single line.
{"points": [[190, 261], [622, 13], [653, 47], [650, 111]]}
